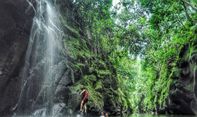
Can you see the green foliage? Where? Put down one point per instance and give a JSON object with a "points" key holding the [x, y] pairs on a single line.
{"points": [[131, 57]]}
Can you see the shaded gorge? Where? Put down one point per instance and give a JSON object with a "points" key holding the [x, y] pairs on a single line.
{"points": [[133, 57]]}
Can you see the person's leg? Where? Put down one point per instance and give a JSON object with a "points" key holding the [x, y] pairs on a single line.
{"points": [[81, 106], [85, 107]]}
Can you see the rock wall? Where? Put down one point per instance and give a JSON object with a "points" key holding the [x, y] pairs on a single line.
{"points": [[182, 96], [16, 17], [15, 25]]}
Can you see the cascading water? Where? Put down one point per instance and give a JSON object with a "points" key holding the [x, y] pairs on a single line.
{"points": [[43, 62]]}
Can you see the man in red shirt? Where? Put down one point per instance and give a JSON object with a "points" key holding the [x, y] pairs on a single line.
{"points": [[84, 99]]}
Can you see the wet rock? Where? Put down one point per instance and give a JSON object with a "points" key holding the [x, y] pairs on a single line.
{"points": [[15, 25], [182, 95], [56, 111]]}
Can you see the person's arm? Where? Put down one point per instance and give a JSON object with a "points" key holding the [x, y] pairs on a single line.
{"points": [[82, 92]]}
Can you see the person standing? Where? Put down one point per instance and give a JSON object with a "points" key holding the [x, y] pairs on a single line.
{"points": [[84, 100]]}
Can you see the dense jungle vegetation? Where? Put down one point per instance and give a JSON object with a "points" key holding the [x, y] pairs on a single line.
{"points": [[128, 55]]}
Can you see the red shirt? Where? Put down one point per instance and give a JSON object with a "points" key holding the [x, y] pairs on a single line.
{"points": [[85, 94]]}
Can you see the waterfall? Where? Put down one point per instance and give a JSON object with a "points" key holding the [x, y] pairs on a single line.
{"points": [[44, 61]]}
